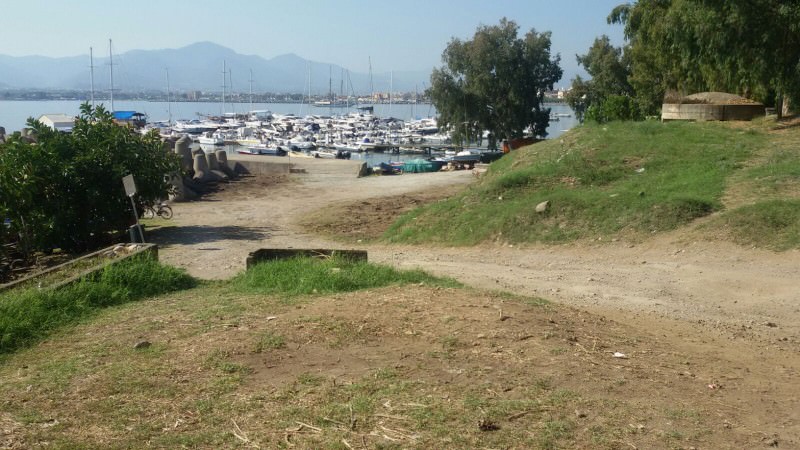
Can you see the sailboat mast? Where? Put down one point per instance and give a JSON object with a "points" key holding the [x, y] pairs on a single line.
{"points": [[91, 75], [350, 86], [169, 102], [230, 91], [224, 74], [391, 89], [371, 86], [308, 84], [111, 64], [251, 90], [414, 110]]}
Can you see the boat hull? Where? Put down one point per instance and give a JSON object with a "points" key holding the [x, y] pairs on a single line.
{"points": [[268, 151], [422, 166]]}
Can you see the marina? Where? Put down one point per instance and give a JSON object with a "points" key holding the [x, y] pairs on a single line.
{"points": [[383, 133]]}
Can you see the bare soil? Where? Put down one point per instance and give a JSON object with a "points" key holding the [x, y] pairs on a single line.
{"points": [[712, 327]]}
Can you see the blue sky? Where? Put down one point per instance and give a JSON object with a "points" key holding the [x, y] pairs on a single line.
{"points": [[407, 35]]}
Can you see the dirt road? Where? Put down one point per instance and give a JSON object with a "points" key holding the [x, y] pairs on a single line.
{"points": [[739, 292], [699, 309]]}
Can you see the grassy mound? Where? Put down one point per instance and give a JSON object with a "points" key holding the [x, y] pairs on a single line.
{"points": [[29, 315], [772, 224], [627, 179], [306, 276]]}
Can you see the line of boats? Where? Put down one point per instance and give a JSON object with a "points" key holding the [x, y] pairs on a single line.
{"points": [[337, 136]]}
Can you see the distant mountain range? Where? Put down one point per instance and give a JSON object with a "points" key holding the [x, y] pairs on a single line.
{"points": [[197, 67]]}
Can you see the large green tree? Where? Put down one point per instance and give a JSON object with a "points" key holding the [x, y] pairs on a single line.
{"points": [[65, 189], [496, 81], [609, 68], [749, 47]]}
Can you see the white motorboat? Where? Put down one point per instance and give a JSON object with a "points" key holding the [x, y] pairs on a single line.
{"points": [[337, 154], [262, 149], [193, 126], [295, 154], [211, 138]]}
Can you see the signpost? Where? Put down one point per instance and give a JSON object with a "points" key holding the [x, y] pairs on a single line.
{"points": [[130, 191]]}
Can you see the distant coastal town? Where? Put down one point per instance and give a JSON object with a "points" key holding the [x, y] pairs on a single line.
{"points": [[555, 96]]}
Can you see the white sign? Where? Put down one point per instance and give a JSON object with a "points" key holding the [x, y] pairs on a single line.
{"points": [[130, 185]]}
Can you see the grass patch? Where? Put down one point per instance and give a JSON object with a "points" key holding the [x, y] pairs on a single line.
{"points": [[773, 224], [200, 378], [28, 315], [779, 172], [270, 341], [307, 276], [628, 179]]}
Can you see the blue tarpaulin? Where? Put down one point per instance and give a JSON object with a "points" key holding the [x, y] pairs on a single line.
{"points": [[126, 115]]}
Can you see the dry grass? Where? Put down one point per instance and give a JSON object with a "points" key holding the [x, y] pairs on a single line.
{"points": [[413, 367]]}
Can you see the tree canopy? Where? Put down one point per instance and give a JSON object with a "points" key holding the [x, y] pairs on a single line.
{"points": [[747, 47], [495, 82], [609, 68], [64, 190]]}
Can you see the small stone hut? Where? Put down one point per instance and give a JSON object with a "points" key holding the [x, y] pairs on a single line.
{"points": [[712, 106]]}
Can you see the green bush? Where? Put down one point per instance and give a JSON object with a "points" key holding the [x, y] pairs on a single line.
{"points": [[613, 108], [65, 189], [29, 315]]}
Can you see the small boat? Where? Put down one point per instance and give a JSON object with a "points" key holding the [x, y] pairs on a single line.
{"points": [[248, 151], [248, 141], [211, 138], [467, 156], [332, 104], [378, 147], [300, 143], [296, 154], [262, 149], [422, 165], [193, 126], [337, 154], [387, 169], [345, 147], [488, 157]]}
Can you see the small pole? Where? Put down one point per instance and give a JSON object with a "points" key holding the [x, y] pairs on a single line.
{"points": [[130, 191], [136, 218]]}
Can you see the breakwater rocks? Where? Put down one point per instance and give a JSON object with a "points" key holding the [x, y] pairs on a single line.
{"points": [[202, 171], [26, 134]]}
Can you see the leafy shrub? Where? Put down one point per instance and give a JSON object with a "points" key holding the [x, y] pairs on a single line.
{"points": [[613, 107], [65, 189]]}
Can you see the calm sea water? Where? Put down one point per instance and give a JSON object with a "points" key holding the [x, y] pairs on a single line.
{"points": [[14, 114]]}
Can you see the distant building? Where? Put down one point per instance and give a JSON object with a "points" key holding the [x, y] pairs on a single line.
{"points": [[58, 122]]}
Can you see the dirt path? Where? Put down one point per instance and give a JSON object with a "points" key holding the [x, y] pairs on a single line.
{"points": [[732, 311], [737, 292], [212, 237]]}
